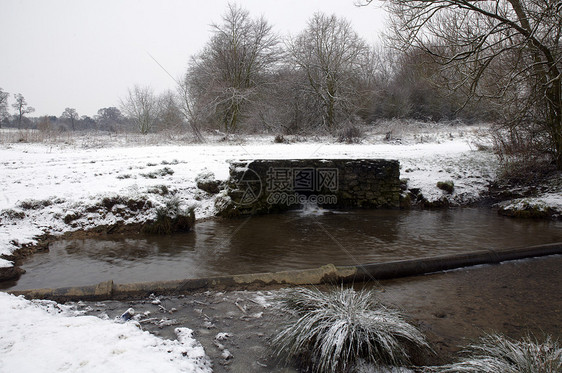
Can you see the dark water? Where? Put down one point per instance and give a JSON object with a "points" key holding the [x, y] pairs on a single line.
{"points": [[279, 242]]}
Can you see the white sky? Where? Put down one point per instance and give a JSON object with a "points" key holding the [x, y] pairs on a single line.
{"points": [[84, 54]]}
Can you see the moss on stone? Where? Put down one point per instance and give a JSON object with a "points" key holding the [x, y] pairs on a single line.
{"points": [[447, 186]]}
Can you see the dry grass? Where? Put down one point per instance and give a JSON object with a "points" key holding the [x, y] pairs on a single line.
{"points": [[497, 353], [336, 329], [93, 139]]}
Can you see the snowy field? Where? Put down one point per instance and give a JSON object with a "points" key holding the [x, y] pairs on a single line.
{"points": [[52, 188]]}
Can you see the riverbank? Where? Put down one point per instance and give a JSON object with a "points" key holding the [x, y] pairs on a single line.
{"points": [[86, 184], [451, 308], [91, 185]]}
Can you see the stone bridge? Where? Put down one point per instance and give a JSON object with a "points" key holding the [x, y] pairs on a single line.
{"points": [[268, 186]]}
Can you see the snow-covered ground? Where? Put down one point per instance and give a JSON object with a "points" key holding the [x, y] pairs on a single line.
{"points": [[55, 187], [43, 336], [547, 204], [52, 188]]}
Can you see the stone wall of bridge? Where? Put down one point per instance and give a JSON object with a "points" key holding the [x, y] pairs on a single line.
{"points": [[268, 186]]}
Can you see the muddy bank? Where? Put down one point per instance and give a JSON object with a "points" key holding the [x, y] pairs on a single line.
{"points": [[451, 308]]}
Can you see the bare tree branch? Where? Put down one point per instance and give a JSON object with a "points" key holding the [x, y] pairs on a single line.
{"points": [[507, 49]]}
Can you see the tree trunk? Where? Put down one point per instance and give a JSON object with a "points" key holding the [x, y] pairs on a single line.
{"points": [[549, 76], [555, 114]]}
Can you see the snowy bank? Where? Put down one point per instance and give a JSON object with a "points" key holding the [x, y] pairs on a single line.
{"points": [[41, 336], [548, 205], [56, 188]]}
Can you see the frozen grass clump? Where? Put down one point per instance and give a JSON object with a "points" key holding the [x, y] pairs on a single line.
{"points": [[497, 353], [171, 218], [338, 328]]}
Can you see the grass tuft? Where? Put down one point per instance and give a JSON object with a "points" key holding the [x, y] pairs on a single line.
{"points": [[158, 173], [33, 204], [498, 353], [336, 329]]}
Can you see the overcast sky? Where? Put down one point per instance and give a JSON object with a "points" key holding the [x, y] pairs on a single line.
{"points": [[84, 54]]}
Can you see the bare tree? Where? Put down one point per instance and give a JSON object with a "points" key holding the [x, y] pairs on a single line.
{"points": [[332, 56], [109, 118], [44, 124], [88, 123], [188, 107], [415, 87], [71, 115], [141, 106], [3, 105], [21, 108], [170, 116], [227, 76], [503, 50]]}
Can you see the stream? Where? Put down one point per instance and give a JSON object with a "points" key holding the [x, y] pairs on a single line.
{"points": [[269, 243]]}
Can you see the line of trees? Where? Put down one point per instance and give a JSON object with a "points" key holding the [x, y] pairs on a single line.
{"points": [[474, 60], [249, 79], [20, 106], [142, 110], [507, 53], [107, 119]]}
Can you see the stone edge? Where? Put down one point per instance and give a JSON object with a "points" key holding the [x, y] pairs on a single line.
{"points": [[108, 290]]}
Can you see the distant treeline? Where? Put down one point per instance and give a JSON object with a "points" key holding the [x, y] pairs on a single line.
{"points": [[248, 79], [496, 61]]}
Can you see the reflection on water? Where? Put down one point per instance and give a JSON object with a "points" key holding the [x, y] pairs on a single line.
{"points": [[280, 242]]}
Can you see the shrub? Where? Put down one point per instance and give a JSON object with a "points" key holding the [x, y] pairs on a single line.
{"points": [[12, 214], [338, 328], [108, 203], [33, 204], [161, 172], [350, 134], [280, 139], [522, 155], [173, 162], [171, 218], [497, 353], [159, 189]]}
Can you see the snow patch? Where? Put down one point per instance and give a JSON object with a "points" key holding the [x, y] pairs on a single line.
{"points": [[40, 336], [550, 203]]}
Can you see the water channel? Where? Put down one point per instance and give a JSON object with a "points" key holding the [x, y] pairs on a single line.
{"points": [[294, 240]]}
